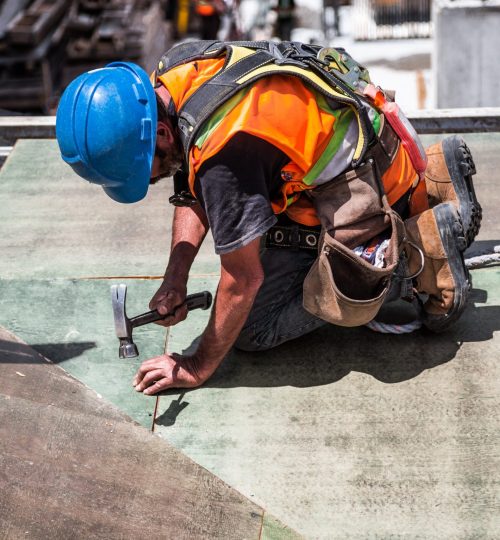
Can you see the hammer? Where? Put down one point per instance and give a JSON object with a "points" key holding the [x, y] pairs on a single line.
{"points": [[124, 326]]}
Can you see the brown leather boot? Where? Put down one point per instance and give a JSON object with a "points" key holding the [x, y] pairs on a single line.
{"points": [[448, 178], [435, 246]]}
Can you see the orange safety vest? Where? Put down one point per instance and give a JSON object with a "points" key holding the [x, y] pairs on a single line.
{"points": [[285, 112]]}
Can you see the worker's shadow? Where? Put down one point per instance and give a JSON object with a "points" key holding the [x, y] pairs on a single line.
{"points": [[330, 353]]}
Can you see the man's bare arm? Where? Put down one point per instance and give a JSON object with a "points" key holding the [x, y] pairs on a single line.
{"points": [[189, 229], [241, 278]]}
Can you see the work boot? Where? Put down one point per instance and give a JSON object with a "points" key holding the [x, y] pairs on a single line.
{"points": [[448, 178], [435, 246]]}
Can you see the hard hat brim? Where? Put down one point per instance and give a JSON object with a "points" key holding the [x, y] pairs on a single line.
{"points": [[133, 191]]}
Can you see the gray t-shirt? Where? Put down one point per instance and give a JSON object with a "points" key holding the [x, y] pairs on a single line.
{"points": [[235, 188]]}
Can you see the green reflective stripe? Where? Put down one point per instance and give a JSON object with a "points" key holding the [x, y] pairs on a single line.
{"points": [[376, 122], [289, 201], [214, 121], [322, 102], [325, 106], [343, 119]]}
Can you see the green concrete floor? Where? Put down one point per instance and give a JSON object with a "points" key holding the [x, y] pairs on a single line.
{"points": [[342, 434]]}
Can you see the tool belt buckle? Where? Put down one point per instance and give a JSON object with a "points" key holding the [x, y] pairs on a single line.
{"points": [[292, 237]]}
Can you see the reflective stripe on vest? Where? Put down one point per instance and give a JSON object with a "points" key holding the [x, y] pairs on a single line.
{"points": [[293, 117], [246, 63], [278, 109]]}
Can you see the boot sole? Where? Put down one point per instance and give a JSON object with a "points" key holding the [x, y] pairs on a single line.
{"points": [[461, 167], [452, 235]]}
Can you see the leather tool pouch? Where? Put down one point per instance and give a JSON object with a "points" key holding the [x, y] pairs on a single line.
{"points": [[341, 287]]}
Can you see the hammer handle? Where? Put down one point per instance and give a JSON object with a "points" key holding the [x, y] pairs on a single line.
{"points": [[201, 300]]}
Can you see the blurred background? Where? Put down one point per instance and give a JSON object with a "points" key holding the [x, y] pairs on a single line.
{"points": [[433, 53]]}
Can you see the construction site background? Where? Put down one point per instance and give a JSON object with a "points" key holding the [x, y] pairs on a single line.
{"points": [[410, 46], [44, 44]]}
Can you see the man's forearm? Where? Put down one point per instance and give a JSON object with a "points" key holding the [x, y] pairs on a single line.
{"points": [[241, 277], [233, 302], [189, 228]]}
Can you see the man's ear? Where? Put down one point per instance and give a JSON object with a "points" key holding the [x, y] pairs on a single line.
{"points": [[164, 135]]}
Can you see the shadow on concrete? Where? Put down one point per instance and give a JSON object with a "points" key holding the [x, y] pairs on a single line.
{"points": [[60, 352], [169, 417], [19, 353], [330, 353]]}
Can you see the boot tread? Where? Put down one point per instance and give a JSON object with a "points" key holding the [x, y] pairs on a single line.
{"points": [[461, 167]]}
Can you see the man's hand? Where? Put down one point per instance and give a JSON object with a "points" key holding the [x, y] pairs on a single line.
{"points": [[168, 371], [170, 298], [241, 278]]}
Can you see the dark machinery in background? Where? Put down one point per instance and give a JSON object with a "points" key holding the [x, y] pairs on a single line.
{"points": [[44, 44]]}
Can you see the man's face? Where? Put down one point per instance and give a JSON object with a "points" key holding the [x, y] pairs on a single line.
{"points": [[168, 154]]}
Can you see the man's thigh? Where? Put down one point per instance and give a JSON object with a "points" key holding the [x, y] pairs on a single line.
{"points": [[277, 314]]}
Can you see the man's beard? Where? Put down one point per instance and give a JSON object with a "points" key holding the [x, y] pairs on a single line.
{"points": [[170, 162]]}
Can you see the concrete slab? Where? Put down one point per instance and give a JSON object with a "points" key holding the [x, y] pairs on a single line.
{"points": [[74, 466], [351, 434], [343, 434], [71, 322], [476, 24], [398, 431], [56, 225]]}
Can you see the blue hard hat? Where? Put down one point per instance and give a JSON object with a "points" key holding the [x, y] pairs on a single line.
{"points": [[106, 129]]}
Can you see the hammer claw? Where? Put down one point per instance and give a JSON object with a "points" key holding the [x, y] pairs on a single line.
{"points": [[118, 298], [124, 326]]}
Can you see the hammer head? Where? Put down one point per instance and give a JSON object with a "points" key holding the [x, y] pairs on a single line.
{"points": [[123, 328]]}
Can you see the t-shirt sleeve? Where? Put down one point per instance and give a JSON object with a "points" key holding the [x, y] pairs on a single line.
{"points": [[235, 188]]}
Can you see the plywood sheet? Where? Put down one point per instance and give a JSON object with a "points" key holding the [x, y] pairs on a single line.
{"points": [[73, 466]]}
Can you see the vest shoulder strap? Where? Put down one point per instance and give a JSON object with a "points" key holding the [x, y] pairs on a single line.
{"points": [[196, 50], [248, 61]]}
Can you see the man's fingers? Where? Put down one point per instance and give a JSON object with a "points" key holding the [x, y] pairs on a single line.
{"points": [[150, 378], [165, 301], [176, 316], [146, 367], [168, 304], [179, 314], [165, 371], [157, 298], [158, 386], [166, 322]]}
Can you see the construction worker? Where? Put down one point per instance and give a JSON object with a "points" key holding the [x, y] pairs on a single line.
{"points": [[285, 14], [310, 180], [209, 13]]}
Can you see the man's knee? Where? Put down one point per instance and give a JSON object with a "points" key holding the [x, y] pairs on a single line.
{"points": [[247, 341]]}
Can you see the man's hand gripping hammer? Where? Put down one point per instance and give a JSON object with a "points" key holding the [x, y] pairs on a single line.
{"points": [[124, 326]]}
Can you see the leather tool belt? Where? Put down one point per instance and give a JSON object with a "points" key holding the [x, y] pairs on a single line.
{"points": [[341, 287], [292, 237]]}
